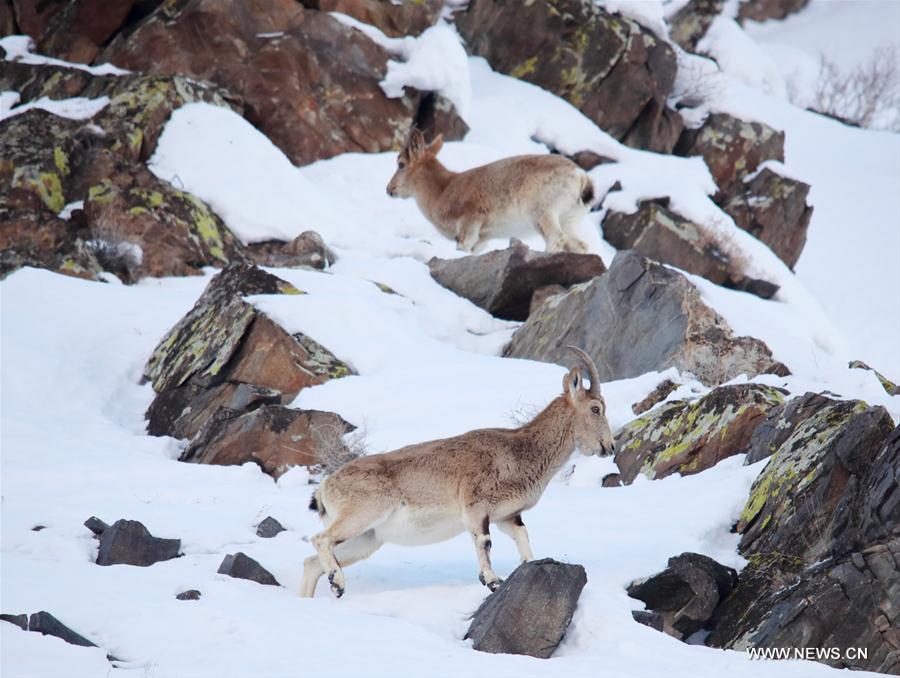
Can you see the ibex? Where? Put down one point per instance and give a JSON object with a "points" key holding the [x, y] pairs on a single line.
{"points": [[432, 491], [547, 193]]}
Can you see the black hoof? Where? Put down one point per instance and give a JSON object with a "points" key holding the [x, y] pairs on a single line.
{"points": [[494, 585], [337, 590]]}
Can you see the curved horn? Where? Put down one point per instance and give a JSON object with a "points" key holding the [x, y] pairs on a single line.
{"points": [[591, 368]]}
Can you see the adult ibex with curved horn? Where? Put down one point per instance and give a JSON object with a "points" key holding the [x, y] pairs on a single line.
{"points": [[432, 491]]}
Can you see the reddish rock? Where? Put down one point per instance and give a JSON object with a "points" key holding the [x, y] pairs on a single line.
{"points": [[395, 19], [656, 396], [79, 30], [763, 10]]}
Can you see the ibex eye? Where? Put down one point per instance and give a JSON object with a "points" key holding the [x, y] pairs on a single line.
{"points": [[595, 409]]}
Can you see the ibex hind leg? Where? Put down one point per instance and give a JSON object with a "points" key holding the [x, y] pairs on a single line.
{"points": [[548, 226], [571, 227], [346, 553], [344, 530]]}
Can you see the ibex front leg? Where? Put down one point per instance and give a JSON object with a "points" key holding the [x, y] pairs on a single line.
{"points": [[478, 524], [514, 528]]}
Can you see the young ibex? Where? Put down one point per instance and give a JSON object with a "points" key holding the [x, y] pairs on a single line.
{"points": [[547, 193], [433, 491]]}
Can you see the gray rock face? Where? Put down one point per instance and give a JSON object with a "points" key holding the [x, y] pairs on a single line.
{"points": [[664, 236], [638, 317], [686, 593], [530, 612], [821, 531], [242, 566], [48, 625], [503, 282], [615, 71], [269, 528], [128, 542], [20, 620], [688, 437]]}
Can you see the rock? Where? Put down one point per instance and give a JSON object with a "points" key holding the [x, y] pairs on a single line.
{"points": [[224, 353], [686, 593], [690, 23], [436, 114], [78, 30], [45, 623], [588, 160], [272, 436], [7, 18], [190, 594], [241, 566], [543, 294], [652, 619], [128, 542], [657, 395], [33, 81], [823, 566], [95, 525], [38, 238], [307, 249], [688, 437], [530, 612], [812, 467], [773, 209], [503, 282], [34, 17], [641, 317], [763, 10], [20, 620], [615, 71], [145, 227], [887, 384], [269, 528], [310, 83], [732, 148], [658, 233], [395, 19]]}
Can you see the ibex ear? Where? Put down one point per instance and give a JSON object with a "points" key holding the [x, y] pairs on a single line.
{"points": [[416, 143], [435, 146], [572, 385]]}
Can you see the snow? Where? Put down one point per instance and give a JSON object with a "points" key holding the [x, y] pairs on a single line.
{"points": [[20, 48], [75, 108], [72, 418], [648, 13]]}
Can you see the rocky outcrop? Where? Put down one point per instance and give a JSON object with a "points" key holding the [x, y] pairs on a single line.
{"points": [[639, 317], [821, 532], [529, 612], [272, 436], [242, 566], [732, 148], [660, 234], [311, 84], [128, 542], [307, 249], [395, 19], [690, 23], [503, 282], [763, 10], [686, 593], [657, 395], [615, 71], [773, 209], [46, 624], [890, 387], [688, 437]]}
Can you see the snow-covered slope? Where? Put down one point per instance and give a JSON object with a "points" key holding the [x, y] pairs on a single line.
{"points": [[73, 441]]}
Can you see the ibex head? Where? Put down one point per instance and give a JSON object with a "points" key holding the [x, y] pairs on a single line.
{"points": [[592, 432], [411, 162]]}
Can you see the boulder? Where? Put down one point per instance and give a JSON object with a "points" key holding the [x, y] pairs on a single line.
{"points": [[33, 81], [660, 234], [657, 395], [310, 83], [529, 612], [269, 528], [763, 10], [890, 387], [273, 436], [45, 623], [128, 542], [615, 71], [690, 23], [732, 148], [503, 282], [241, 566], [773, 209], [307, 249], [224, 352], [395, 19], [654, 620], [20, 620], [436, 114], [7, 19], [190, 594], [686, 593], [823, 565], [95, 525], [688, 437], [78, 29], [640, 317]]}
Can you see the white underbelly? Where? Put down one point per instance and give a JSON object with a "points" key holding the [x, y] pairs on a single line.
{"points": [[414, 527]]}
